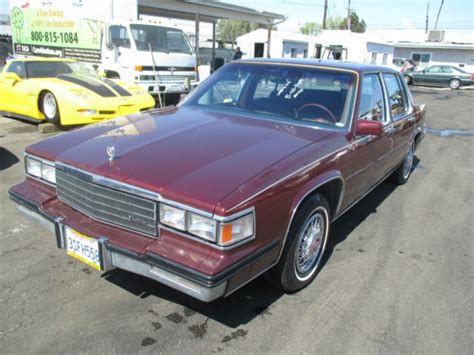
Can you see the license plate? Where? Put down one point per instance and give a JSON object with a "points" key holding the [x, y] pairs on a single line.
{"points": [[83, 248]]}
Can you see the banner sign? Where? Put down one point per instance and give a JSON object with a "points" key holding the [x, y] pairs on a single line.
{"points": [[56, 28]]}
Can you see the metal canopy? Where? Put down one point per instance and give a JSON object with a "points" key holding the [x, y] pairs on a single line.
{"points": [[208, 11]]}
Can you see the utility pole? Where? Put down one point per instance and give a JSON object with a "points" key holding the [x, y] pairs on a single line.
{"points": [[349, 15], [427, 15], [325, 13]]}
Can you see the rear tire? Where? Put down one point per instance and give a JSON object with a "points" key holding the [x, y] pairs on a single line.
{"points": [[455, 84], [401, 175], [50, 109], [301, 259]]}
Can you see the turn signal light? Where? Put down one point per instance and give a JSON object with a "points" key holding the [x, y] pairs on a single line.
{"points": [[138, 68]]}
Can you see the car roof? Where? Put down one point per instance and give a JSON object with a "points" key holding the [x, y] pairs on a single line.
{"points": [[337, 64]]}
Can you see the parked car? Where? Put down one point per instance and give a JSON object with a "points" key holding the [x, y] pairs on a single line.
{"points": [[244, 177], [440, 75], [65, 92]]}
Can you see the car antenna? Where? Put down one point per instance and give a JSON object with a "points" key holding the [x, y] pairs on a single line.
{"points": [[155, 73]]}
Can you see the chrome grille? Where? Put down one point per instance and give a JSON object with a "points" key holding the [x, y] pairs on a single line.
{"points": [[104, 203]]}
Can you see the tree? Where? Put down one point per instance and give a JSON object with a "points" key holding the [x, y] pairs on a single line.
{"points": [[357, 25], [310, 28], [229, 30]]}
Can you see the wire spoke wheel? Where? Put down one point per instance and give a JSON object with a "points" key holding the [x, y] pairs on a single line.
{"points": [[408, 161], [310, 244]]}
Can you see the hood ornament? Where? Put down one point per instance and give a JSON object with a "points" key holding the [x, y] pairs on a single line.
{"points": [[111, 152]]}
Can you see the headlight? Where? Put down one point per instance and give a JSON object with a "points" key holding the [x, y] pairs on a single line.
{"points": [[236, 231], [219, 233], [173, 217], [41, 169], [202, 227]]}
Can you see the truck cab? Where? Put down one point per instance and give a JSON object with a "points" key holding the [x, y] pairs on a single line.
{"points": [[156, 56]]}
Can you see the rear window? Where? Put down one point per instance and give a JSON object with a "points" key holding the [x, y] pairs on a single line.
{"points": [[310, 96]]}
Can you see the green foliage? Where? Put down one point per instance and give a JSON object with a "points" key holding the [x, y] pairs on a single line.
{"points": [[357, 25], [229, 30], [310, 28]]}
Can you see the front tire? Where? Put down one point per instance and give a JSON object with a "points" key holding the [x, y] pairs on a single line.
{"points": [[455, 84], [50, 109], [304, 248]]}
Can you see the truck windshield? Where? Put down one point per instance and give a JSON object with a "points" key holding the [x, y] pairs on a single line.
{"points": [[161, 39]]}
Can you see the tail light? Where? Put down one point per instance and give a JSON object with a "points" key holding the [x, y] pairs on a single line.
{"points": [[471, 77]]}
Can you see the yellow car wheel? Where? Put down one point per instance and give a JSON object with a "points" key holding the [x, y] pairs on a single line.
{"points": [[50, 109]]}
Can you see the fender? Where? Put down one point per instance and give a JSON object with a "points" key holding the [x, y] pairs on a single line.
{"points": [[308, 188]]}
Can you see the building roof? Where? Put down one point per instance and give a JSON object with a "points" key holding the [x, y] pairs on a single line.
{"points": [[434, 45], [209, 11]]}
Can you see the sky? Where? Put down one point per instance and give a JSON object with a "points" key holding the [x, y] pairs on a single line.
{"points": [[378, 14]]}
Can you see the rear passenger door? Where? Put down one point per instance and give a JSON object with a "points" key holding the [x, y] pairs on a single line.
{"points": [[402, 115]]}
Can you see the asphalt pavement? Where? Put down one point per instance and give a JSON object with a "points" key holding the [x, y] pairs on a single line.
{"points": [[398, 275]]}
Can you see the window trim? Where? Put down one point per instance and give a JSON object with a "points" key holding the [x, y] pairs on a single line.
{"points": [[387, 118], [402, 86]]}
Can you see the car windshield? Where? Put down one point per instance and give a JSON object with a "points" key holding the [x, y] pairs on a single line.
{"points": [[295, 94], [43, 69], [161, 39]]}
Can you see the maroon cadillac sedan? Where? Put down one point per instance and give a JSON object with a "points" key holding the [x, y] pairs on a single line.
{"points": [[244, 177]]}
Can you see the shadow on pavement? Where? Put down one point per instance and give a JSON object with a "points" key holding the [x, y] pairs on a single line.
{"points": [[7, 159]]}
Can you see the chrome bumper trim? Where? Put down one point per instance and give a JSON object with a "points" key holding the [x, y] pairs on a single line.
{"points": [[205, 294]]}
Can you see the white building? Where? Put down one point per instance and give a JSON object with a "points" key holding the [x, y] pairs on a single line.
{"points": [[354, 47], [346, 45], [433, 53], [282, 44]]}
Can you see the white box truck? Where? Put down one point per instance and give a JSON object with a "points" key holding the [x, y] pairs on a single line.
{"points": [[155, 55]]}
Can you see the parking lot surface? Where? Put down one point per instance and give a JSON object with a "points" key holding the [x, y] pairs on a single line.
{"points": [[398, 275]]}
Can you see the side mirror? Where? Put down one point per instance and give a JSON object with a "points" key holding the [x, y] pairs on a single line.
{"points": [[12, 76], [368, 128]]}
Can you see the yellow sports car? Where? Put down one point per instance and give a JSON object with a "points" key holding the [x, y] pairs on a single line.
{"points": [[65, 92]]}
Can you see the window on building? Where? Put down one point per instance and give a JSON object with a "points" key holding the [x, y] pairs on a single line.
{"points": [[385, 59], [371, 105], [373, 59], [305, 53], [293, 52], [396, 95], [421, 59]]}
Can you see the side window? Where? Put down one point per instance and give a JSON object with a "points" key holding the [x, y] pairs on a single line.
{"points": [[447, 70], [371, 105], [434, 70], [118, 35], [17, 68], [396, 97]]}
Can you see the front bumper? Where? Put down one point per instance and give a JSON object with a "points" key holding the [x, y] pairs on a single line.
{"points": [[191, 282]]}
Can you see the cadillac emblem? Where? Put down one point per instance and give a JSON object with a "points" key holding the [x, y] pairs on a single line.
{"points": [[111, 152]]}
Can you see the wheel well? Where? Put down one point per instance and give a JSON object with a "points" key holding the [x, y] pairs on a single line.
{"points": [[40, 97], [332, 190], [417, 139], [110, 74]]}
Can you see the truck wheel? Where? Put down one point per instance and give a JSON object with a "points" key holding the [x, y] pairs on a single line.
{"points": [[50, 109], [401, 175], [304, 248], [455, 84]]}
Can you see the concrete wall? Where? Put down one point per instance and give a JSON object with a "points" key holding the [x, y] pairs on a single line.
{"points": [[463, 58], [380, 50]]}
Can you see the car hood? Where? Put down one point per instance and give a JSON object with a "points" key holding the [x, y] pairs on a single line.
{"points": [[188, 155]]}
